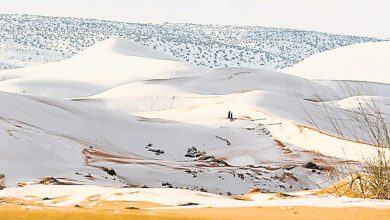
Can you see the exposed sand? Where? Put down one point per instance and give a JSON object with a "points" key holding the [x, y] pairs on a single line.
{"points": [[8, 212], [120, 205]]}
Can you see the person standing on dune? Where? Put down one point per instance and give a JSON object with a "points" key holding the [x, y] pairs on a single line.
{"points": [[230, 116]]}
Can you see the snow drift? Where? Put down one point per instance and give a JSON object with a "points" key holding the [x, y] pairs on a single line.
{"points": [[107, 64], [363, 62]]}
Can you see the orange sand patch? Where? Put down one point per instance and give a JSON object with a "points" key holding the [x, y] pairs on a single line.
{"points": [[9, 212]]}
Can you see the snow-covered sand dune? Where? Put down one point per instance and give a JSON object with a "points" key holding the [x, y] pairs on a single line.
{"points": [[102, 66], [122, 114], [360, 62], [73, 140]]}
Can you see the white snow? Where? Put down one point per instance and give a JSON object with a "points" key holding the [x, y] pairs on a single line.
{"points": [[123, 106], [109, 63], [362, 62]]}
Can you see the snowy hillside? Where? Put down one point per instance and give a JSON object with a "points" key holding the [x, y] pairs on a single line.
{"points": [[120, 113], [102, 66], [361, 62], [27, 39]]}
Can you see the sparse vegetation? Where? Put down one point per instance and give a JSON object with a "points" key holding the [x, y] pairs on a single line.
{"points": [[2, 181], [155, 150], [368, 124], [44, 39]]}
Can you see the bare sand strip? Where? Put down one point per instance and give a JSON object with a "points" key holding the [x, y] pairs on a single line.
{"points": [[265, 213]]}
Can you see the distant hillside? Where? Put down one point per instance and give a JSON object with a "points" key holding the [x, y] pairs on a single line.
{"points": [[363, 62], [28, 39]]}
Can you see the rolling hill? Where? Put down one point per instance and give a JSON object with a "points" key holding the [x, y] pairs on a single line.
{"points": [[361, 62], [29, 39]]}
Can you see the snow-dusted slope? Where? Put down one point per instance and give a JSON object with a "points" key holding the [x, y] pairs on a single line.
{"points": [[48, 137], [225, 86], [107, 64], [119, 113], [288, 112], [15, 55], [363, 62]]}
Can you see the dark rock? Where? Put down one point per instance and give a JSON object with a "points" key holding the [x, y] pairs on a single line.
{"points": [[50, 181], [166, 184], [109, 171], [156, 151], [188, 204], [313, 166], [193, 152], [142, 186], [132, 208]]}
